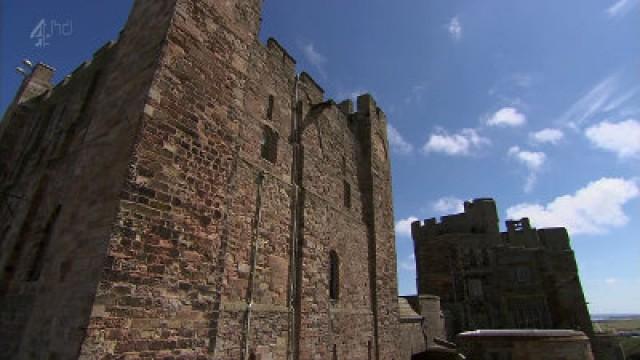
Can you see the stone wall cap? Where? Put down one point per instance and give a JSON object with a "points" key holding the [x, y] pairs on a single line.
{"points": [[522, 333], [428, 296], [406, 312]]}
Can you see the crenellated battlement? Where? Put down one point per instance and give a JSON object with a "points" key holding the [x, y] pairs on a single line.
{"points": [[279, 53], [480, 217]]}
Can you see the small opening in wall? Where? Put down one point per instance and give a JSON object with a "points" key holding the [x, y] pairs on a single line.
{"points": [[347, 194], [334, 275], [269, 145], [270, 107], [344, 166], [42, 247]]}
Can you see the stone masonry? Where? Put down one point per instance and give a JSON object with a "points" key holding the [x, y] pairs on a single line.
{"points": [[519, 279], [186, 195]]}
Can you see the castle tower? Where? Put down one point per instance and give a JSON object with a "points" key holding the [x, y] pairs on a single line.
{"points": [[523, 278], [185, 193]]}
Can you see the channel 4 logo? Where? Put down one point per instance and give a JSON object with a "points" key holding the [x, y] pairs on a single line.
{"points": [[47, 29]]}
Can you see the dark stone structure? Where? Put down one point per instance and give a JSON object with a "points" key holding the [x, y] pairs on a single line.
{"points": [[520, 279], [185, 194]]}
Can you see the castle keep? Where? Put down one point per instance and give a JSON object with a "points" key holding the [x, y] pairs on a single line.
{"points": [[486, 279], [185, 194]]}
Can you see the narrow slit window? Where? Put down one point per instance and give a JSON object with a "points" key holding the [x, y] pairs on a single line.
{"points": [[347, 194], [270, 107], [334, 275], [344, 166], [270, 145], [42, 246]]}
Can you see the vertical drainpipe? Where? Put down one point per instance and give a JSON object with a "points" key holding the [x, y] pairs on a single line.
{"points": [[254, 258], [292, 352]]}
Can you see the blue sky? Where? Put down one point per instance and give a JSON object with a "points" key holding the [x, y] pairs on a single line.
{"points": [[536, 104]]}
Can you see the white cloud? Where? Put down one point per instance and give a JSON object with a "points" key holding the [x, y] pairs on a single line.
{"points": [[397, 142], [533, 160], [621, 7], [548, 135], [507, 116], [623, 138], [459, 144], [592, 209], [455, 28], [314, 57], [408, 264], [448, 205], [403, 226]]}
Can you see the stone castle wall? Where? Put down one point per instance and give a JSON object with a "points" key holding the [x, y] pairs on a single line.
{"points": [[203, 191], [64, 159]]}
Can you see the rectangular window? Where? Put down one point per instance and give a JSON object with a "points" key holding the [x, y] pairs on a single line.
{"points": [[269, 145], [523, 275], [334, 275], [475, 288], [347, 194]]}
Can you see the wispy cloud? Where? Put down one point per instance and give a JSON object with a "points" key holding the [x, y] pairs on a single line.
{"points": [[591, 103], [532, 160], [397, 141], [455, 28], [314, 57], [611, 281], [462, 143], [592, 209], [622, 138], [415, 95], [507, 117], [522, 80], [508, 89], [403, 226], [618, 101], [609, 97], [547, 136], [448, 205], [621, 7]]}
